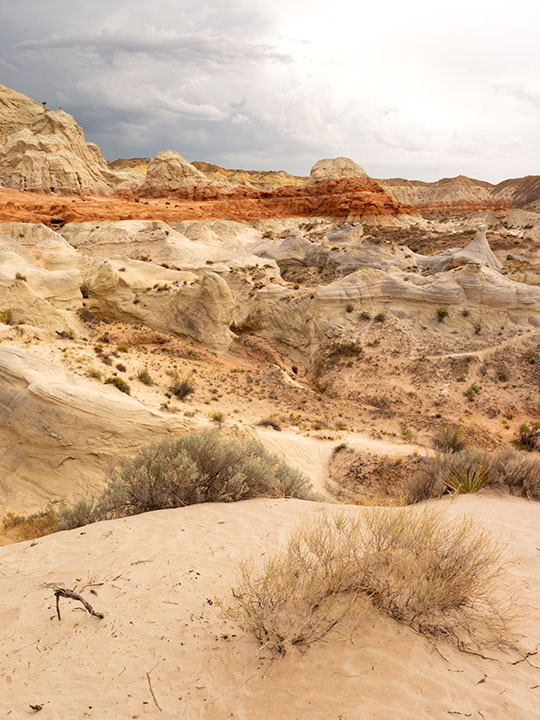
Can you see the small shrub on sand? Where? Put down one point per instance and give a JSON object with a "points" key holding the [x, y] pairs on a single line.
{"points": [[466, 472], [471, 392], [460, 472], [450, 439], [27, 527], [270, 422], [435, 575], [196, 468], [145, 377], [217, 416], [518, 471], [6, 317], [182, 387], [119, 383], [471, 470], [528, 436], [442, 314]]}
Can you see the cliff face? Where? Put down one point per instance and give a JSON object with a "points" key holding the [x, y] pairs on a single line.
{"points": [[43, 150], [17, 112], [350, 199], [459, 193], [462, 193], [523, 192]]}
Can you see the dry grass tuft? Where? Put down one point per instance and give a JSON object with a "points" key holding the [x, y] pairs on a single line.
{"points": [[437, 576], [450, 439]]}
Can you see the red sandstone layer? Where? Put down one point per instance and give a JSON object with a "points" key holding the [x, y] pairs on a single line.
{"points": [[352, 197]]}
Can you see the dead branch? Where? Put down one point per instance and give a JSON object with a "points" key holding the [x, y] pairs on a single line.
{"points": [[72, 595]]}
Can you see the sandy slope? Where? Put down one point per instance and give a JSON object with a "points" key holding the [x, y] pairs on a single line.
{"points": [[158, 573]]}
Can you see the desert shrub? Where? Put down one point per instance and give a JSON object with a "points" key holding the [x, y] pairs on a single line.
{"points": [[182, 387], [119, 383], [450, 439], [528, 436], [425, 483], [270, 422], [518, 471], [471, 392], [380, 317], [27, 527], [121, 367], [83, 512], [195, 468], [442, 314], [466, 471], [145, 377], [6, 317], [217, 416], [463, 471], [435, 575], [93, 373]]}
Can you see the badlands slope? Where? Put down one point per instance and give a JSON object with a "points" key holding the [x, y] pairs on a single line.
{"points": [[333, 309]]}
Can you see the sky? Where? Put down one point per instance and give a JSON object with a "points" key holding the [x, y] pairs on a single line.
{"points": [[417, 89]]}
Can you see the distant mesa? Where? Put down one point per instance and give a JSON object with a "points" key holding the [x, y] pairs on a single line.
{"points": [[45, 151]]}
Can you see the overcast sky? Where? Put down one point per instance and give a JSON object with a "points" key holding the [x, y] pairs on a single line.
{"points": [[412, 88]]}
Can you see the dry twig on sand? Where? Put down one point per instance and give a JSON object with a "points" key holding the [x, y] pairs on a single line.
{"points": [[72, 595]]}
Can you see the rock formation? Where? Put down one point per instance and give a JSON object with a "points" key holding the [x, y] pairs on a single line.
{"points": [[168, 172], [335, 169], [59, 433], [45, 151]]}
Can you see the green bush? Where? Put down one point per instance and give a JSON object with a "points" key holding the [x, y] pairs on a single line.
{"points": [[145, 377], [196, 468], [528, 436], [119, 383]]}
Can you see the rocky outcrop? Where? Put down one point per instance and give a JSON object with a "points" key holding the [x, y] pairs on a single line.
{"points": [[477, 252], [335, 169], [45, 151], [522, 192], [459, 193], [257, 179], [169, 172], [17, 112], [59, 433]]}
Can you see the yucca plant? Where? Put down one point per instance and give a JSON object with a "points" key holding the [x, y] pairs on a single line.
{"points": [[470, 473]]}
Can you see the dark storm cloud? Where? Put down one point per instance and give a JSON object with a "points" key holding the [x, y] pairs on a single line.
{"points": [[416, 89], [200, 49]]}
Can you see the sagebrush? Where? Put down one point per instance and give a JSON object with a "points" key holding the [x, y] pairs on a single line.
{"points": [[194, 468], [438, 576]]}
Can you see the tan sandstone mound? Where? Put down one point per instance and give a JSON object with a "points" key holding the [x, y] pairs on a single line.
{"points": [[59, 432], [45, 151], [335, 168]]}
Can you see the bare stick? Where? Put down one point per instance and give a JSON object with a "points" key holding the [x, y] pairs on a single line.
{"points": [[63, 592], [152, 691]]}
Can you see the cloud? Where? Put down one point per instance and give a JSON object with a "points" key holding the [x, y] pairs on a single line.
{"points": [[202, 48], [415, 89]]}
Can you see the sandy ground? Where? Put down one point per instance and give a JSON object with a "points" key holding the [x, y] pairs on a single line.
{"points": [[155, 576]]}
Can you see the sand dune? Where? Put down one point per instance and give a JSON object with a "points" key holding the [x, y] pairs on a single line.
{"points": [[156, 577]]}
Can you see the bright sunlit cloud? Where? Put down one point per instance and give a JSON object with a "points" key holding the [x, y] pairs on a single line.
{"points": [[417, 89]]}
